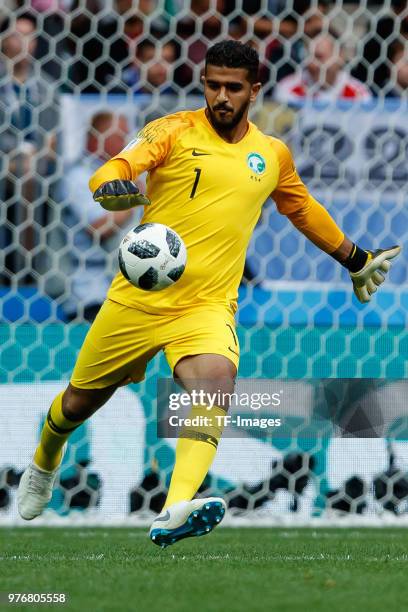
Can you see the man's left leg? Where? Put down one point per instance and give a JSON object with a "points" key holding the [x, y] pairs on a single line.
{"points": [[195, 451]]}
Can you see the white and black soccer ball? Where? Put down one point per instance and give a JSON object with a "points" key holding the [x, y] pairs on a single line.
{"points": [[152, 256]]}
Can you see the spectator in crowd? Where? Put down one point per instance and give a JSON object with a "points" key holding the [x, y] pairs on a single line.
{"points": [[91, 227], [28, 117], [50, 48], [373, 67], [323, 76], [152, 68], [86, 73], [128, 18], [204, 18], [285, 37], [207, 19], [21, 89], [305, 18], [120, 29], [283, 50], [398, 56]]}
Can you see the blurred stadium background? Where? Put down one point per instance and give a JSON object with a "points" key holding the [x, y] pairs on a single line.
{"points": [[78, 78]]}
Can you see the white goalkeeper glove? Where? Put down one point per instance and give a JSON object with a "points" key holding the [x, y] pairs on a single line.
{"points": [[372, 274]]}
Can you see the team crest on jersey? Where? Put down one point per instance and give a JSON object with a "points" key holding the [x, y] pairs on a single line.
{"points": [[256, 163]]}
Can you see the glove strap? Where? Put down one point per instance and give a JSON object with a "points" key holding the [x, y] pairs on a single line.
{"points": [[356, 260]]}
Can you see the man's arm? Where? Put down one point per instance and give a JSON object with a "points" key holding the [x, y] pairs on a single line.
{"points": [[96, 221], [367, 268], [112, 186], [343, 251]]}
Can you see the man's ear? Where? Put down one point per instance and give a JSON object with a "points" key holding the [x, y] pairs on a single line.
{"points": [[255, 89]]}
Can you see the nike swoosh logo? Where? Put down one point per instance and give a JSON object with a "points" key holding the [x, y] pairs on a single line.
{"points": [[198, 153], [163, 518], [232, 351]]}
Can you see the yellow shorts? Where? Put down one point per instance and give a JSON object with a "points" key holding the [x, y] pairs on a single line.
{"points": [[122, 340]]}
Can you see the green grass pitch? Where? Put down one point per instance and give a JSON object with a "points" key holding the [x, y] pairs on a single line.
{"points": [[230, 570]]}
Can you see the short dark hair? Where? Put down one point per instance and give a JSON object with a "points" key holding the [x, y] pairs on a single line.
{"points": [[234, 54]]}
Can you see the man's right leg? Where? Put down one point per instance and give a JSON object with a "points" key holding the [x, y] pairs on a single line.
{"points": [[68, 411], [116, 350]]}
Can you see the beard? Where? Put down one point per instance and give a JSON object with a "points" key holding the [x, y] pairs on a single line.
{"points": [[227, 122]]}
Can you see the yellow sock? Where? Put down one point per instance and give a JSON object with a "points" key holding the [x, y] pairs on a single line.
{"points": [[55, 432], [195, 451]]}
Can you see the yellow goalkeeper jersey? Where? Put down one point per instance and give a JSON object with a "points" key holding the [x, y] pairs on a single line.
{"points": [[211, 192]]}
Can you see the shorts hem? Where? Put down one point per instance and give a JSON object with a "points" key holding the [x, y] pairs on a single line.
{"points": [[95, 385], [229, 356]]}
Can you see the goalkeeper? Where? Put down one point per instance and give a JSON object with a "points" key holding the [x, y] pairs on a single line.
{"points": [[209, 173]]}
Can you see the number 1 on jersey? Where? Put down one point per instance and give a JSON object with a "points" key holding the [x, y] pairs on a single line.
{"points": [[196, 180]]}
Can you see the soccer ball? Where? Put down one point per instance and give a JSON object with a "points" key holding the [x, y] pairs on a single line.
{"points": [[152, 256]]}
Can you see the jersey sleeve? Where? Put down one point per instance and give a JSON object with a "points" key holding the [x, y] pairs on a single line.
{"points": [[153, 143], [315, 222], [290, 194], [307, 214], [112, 170], [149, 149]]}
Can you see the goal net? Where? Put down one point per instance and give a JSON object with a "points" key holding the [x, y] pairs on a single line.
{"points": [[78, 79]]}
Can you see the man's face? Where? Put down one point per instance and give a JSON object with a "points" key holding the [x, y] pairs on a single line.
{"points": [[20, 43], [158, 72], [114, 139], [324, 63], [228, 94], [109, 137]]}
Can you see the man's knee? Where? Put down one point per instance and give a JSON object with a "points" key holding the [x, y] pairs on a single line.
{"points": [[218, 388], [220, 379], [224, 370], [80, 404], [213, 376], [205, 367], [222, 389]]}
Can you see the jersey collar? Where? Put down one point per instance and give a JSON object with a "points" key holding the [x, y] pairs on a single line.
{"points": [[204, 119]]}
